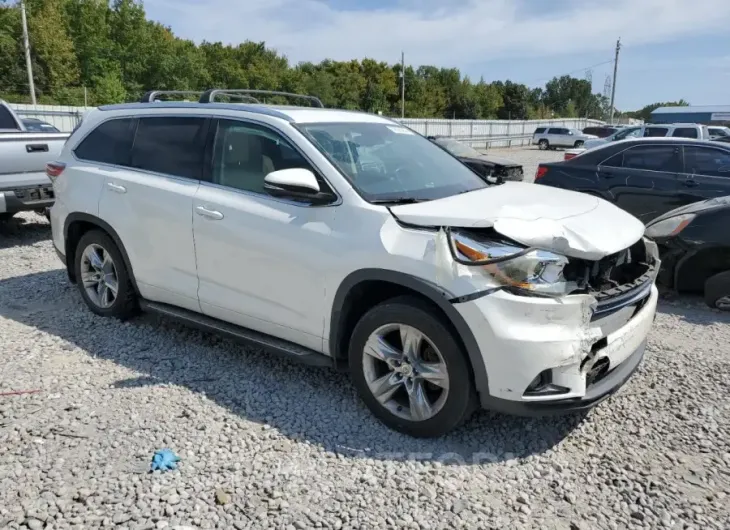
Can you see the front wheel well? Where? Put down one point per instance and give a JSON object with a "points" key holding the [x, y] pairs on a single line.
{"points": [[692, 272], [366, 295]]}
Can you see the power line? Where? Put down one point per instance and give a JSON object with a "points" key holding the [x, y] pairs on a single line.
{"points": [[572, 72]]}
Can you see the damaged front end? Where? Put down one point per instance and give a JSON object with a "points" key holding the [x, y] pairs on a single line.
{"points": [[586, 325]]}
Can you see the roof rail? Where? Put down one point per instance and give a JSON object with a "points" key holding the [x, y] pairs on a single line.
{"points": [[209, 95], [151, 96]]}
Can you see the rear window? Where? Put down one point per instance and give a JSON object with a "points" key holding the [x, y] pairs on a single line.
{"points": [[685, 132], [655, 132], [6, 119], [540, 130], [170, 145], [109, 143]]}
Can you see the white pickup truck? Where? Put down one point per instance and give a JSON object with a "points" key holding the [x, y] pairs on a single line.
{"points": [[24, 185]]}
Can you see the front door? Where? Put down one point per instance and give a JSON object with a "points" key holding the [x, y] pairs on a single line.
{"points": [[643, 179], [706, 174], [261, 260]]}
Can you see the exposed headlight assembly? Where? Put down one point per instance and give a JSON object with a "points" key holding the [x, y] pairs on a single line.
{"points": [[669, 227], [524, 270]]}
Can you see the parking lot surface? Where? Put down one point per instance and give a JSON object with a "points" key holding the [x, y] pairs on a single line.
{"points": [[529, 157], [265, 442]]}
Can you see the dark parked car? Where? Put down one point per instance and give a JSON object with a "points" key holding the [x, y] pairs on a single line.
{"points": [[647, 177], [36, 125], [694, 243], [601, 132], [490, 167]]}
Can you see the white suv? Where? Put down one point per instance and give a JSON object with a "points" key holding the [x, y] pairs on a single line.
{"points": [[346, 239]]}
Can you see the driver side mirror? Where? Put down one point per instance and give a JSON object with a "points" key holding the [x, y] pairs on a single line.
{"points": [[295, 183]]}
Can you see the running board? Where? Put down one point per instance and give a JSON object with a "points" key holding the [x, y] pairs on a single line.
{"points": [[238, 333]]}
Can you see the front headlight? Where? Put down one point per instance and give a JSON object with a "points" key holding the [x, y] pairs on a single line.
{"points": [[669, 227], [529, 271]]}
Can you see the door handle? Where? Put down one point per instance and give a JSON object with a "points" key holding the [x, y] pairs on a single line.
{"points": [[607, 174], [116, 187], [210, 214], [36, 148], [691, 183]]}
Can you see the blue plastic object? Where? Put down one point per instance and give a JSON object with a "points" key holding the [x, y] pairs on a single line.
{"points": [[164, 460]]}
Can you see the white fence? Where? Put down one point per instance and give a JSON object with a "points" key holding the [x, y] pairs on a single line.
{"points": [[62, 117], [479, 133], [491, 133]]}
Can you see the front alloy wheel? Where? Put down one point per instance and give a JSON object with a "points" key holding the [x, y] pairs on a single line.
{"points": [[410, 368], [405, 372], [99, 276]]}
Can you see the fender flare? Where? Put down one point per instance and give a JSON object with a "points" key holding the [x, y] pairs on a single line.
{"points": [[92, 219], [432, 292]]}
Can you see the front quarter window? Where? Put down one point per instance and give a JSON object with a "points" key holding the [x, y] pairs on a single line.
{"points": [[390, 162]]}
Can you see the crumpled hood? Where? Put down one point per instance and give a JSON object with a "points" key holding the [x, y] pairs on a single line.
{"points": [[571, 223]]}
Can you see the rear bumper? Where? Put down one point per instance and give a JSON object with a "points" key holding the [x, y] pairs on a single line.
{"points": [[26, 199]]}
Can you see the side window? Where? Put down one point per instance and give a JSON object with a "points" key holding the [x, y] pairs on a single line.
{"points": [[616, 160], [652, 158], [540, 130], [655, 132], [170, 145], [109, 143], [685, 132], [245, 153], [555, 131], [6, 119], [706, 161]]}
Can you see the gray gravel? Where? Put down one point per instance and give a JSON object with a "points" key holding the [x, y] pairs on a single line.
{"points": [[265, 442]]}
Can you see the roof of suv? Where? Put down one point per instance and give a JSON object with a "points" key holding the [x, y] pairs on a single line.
{"points": [[285, 112]]}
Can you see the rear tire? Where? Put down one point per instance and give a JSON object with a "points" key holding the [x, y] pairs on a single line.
{"points": [[5, 216], [717, 291], [543, 145], [425, 392], [102, 277], [579, 144]]}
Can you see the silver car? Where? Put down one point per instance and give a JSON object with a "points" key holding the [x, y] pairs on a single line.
{"points": [[553, 137]]}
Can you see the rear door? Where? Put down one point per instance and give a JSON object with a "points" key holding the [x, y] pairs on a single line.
{"points": [[556, 136], [643, 179], [706, 174], [149, 202]]}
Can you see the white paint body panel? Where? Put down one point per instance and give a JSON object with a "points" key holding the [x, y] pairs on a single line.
{"points": [[275, 266], [576, 224]]}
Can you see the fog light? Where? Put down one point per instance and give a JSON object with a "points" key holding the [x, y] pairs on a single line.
{"points": [[543, 385]]}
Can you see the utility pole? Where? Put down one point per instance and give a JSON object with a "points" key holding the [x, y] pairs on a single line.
{"points": [[615, 70], [26, 46], [402, 85]]}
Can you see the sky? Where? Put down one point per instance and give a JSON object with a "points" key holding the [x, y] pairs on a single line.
{"points": [[671, 49]]}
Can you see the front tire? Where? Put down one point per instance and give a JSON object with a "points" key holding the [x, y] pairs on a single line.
{"points": [[717, 291], [102, 277], [543, 145], [410, 370]]}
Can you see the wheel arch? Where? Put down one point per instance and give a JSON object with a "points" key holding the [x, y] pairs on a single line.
{"points": [[365, 288], [695, 268], [75, 226]]}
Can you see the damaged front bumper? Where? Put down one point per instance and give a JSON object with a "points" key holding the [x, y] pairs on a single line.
{"points": [[555, 355]]}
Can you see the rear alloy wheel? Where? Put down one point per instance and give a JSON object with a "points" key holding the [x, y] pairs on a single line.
{"points": [[102, 277], [410, 370], [717, 291], [543, 145]]}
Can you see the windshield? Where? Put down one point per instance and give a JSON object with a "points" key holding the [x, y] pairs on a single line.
{"points": [[456, 148], [627, 133], [390, 162]]}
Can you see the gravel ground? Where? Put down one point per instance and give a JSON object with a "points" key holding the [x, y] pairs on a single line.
{"points": [[529, 157], [265, 442]]}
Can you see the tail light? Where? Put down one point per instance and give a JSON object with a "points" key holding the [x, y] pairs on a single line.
{"points": [[54, 170], [541, 172], [568, 156]]}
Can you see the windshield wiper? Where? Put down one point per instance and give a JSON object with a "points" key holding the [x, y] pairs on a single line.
{"points": [[398, 200]]}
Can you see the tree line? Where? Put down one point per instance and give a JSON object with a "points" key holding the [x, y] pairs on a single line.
{"points": [[109, 52]]}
